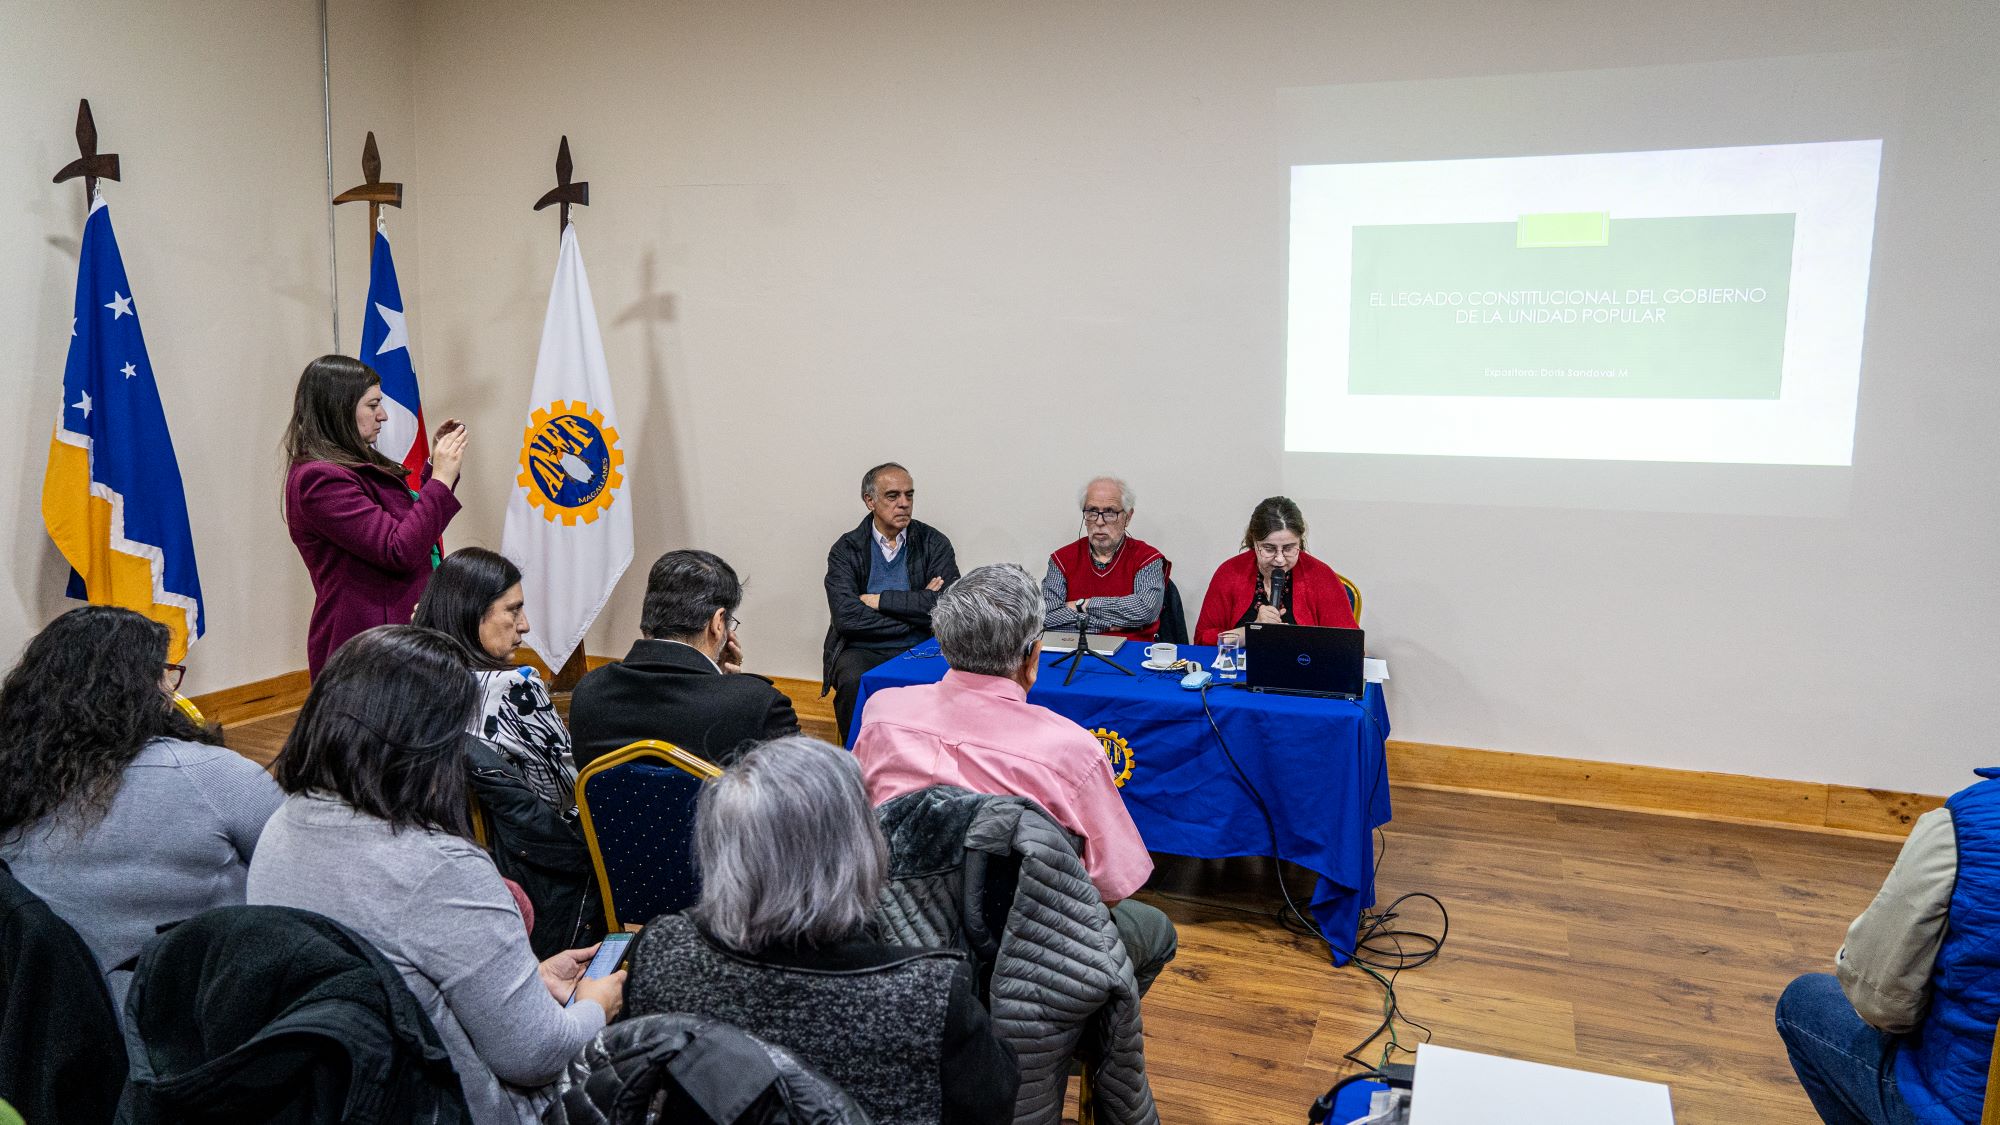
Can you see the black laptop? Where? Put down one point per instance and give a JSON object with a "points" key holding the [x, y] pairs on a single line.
{"points": [[1304, 660]]}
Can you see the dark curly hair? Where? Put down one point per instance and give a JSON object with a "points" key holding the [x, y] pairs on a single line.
{"points": [[83, 701], [384, 730]]}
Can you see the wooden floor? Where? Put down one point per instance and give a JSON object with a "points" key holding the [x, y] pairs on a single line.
{"points": [[1647, 946]]}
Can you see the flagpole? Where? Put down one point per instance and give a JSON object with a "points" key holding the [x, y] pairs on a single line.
{"points": [[566, 193]]}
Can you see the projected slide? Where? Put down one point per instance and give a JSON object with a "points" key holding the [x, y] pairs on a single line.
{"points": [[1689, 305]]}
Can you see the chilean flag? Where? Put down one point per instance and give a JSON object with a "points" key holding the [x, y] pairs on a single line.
{"points": [[385, 346]]}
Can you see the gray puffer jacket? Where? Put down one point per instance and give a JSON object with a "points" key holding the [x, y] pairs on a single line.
{"points": [[664, 1067], [999, 878]]}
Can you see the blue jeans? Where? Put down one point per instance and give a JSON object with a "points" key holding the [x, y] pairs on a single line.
{"points": [[1847, 1067]]}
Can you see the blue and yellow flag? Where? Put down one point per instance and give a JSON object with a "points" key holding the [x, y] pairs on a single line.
{"points": [[112, 498]]}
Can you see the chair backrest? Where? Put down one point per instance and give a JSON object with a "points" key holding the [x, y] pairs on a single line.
{"points": [[637, 808], [1353, 596], [1173, 616], [189, 709], [1989, 1113]]}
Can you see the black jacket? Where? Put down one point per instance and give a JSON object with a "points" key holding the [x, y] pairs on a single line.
{"points": [[671, 692], [62, 1060], [847, 564], [540, 848], [709, 1070], [270, 1014]]}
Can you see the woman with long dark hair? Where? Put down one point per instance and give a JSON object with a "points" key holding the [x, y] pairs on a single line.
{"points": [[115, 808], [374, 834], [369, 540], [475, 599], [1246, 587]]}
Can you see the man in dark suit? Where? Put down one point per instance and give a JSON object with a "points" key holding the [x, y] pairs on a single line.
{"points": [[682, 683], [881, 580]]}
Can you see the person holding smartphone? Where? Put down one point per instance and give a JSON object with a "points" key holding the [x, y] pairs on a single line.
{"points": [[375, 834], [369, 539]]}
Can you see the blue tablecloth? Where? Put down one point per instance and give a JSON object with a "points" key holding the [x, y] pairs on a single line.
{"points": [[1317, 765]]}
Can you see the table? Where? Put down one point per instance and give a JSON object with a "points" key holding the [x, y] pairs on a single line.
{"points": [[1316, 764]]}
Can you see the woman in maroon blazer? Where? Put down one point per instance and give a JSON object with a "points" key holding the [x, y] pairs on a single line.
{"points": [[368, 540]]}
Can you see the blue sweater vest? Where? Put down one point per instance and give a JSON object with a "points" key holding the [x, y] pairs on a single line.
{"points": [[886, 575], [1941, 1066]]}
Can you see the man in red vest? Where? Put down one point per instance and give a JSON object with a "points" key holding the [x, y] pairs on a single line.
{"points": [[1124, 579]]}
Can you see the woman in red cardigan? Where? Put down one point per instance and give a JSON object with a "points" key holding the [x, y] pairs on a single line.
{"points": [[369, 541], [1240, 592]]}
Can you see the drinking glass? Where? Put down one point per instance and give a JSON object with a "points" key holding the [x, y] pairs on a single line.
{"points": [[1228, 651]]}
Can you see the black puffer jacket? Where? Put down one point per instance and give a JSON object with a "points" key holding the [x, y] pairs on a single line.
{"points": [[697, 1071], [539, 847], [905, 616], [270, 1014]]}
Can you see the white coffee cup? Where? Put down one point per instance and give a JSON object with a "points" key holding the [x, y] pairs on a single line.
{"points": [[1162, 653]]}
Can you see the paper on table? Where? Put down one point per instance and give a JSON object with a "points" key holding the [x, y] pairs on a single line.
{"points": [[1456, 1087], [1374, 671]]}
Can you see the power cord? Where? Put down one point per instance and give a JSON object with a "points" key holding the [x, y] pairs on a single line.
{"points": [[1368, 952]]}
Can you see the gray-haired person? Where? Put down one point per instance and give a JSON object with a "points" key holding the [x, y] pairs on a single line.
{"points": [[881, 580], [792, 861], [1123, 579], [976, 729], [682, 682]]}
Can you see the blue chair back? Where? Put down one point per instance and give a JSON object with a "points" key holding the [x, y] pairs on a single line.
{"points": [[637, 808]]}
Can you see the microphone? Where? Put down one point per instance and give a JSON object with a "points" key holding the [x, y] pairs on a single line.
{"points": [[1281, 590]]}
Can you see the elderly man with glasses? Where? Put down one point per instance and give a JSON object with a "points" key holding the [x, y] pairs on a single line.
{"points": [[1124, 579]]}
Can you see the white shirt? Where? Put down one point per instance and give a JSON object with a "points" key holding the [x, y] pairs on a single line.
{"points": [[704, 656], [890, 548]]}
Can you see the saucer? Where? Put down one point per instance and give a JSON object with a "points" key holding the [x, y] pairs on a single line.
{"points": [[1152, 667]]}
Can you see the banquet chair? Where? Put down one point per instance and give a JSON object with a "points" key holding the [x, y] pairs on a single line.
{"points": [[637, 808], [1353, 596]]}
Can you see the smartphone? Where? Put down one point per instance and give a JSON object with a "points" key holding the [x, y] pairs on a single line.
{"points": [[610, 952]]}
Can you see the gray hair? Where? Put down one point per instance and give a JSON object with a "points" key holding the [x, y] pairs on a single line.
{"points": [[868, 478], [788, 848], [989, 620], [1126, 498]]}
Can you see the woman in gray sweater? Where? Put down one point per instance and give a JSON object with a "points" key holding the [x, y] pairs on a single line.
{"points": [[115, 809], [374, 834]]}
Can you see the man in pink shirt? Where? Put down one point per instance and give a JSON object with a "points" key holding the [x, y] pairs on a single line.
{"points": [[976, 729]]}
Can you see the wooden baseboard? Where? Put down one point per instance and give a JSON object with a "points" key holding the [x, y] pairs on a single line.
{"points": [[1692, 793], [255, 700], [1689, 793]]}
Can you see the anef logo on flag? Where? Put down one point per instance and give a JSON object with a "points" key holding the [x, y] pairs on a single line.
{"points": [[568, 528]]}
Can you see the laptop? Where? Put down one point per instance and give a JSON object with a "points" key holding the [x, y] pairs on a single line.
{"points": [[1304, 660], [1064, 640]]}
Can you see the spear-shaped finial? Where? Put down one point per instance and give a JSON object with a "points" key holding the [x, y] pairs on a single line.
{"points": [[372, 190], [564, 192], [91, 165]]}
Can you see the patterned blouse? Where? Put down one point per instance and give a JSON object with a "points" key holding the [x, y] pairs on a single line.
{"points": [[518, 718]]}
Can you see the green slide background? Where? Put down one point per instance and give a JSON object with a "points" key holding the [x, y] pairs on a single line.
{"points": [[1698, 351]]}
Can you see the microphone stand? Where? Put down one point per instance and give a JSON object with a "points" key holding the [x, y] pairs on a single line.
{"points": [[1074, 658]]}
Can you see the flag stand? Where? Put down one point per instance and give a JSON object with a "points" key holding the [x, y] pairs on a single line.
{"points": [[566, 193], [91, 165], [373, 191]]}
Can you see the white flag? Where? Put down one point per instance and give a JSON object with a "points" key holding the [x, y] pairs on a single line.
{"points": [[569, 524]]}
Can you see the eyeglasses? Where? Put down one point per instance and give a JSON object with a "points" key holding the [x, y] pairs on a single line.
{"points": [[1102, 515], [1274, 551], [732, 622], [170, 680]]}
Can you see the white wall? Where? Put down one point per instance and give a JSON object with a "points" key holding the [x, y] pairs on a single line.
{"points": [[215, 112], [962, 236]]}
